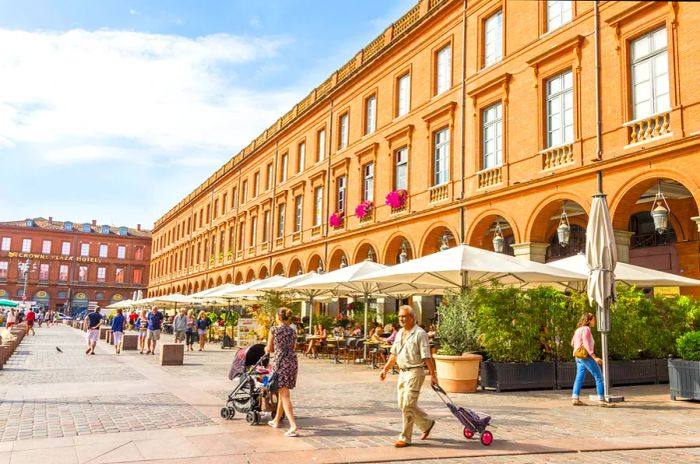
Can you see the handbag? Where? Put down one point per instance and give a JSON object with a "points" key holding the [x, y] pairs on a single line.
{"points": [[581, 352], [273, 384]]}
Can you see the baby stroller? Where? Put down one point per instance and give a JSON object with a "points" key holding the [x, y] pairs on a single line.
{"points": [[470, 420], [251, 395]]}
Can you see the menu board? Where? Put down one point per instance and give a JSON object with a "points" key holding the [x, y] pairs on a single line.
{"points": [[246, 332]]}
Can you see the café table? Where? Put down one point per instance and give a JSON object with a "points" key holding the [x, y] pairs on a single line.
{"points": [[336, 342], [370, 345]]}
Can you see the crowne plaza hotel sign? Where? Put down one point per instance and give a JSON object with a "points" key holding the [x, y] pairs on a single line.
{"points": [[78, 259]]}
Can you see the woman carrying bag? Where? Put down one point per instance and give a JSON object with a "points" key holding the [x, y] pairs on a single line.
{"points": [[281, 341], [586, 360]]}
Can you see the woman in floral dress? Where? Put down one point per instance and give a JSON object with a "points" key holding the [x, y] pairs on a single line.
{"points": [[281, 342]]}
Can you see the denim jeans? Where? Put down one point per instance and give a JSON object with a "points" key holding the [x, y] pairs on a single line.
{"points": [[583, 365]]}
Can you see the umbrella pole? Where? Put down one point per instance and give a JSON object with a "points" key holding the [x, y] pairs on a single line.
{"points": [[606, 377], [311, 315], [366, 309]]}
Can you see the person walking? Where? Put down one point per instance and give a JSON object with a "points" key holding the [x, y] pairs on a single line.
{"points": [[281, 341], [180, 326], [586, 360], [133, 317], [118, 324], [142, 327], [411, 350], [155, 319], [31, 317], [202, 326], [92, 323], [190, 329], [11, 318]]}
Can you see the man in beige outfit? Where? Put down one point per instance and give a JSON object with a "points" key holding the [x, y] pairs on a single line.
{"points": [[410, 351]]}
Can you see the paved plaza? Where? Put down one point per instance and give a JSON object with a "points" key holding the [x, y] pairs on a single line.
{"points": [[73, 408]]}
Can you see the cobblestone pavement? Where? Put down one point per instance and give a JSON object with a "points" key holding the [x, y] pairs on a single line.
{"points": [[128, 408]]}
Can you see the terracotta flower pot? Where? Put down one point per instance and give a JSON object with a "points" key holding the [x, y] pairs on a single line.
{"points": [[458, 374]]}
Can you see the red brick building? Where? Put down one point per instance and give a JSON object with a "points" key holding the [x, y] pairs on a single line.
{"points": [[72, 262]]}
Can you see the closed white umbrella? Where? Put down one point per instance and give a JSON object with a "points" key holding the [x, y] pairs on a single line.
{"points": [[601, 257]]}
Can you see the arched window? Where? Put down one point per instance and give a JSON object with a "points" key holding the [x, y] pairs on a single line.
{"points": [[645, 235], [577, 244]]}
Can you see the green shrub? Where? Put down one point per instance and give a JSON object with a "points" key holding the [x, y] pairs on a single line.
{"points": [[668, 322], [391, 318], [457, 330], [689, 346]]}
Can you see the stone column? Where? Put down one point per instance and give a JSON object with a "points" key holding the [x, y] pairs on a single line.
{"points": [[696, 220], [622, 242], [534, 251]]}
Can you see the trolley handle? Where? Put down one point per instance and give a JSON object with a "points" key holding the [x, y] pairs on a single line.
{"points": [[438, 389]]}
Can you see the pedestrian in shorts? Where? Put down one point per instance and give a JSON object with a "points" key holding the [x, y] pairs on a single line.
{"points": [[180, 326], [118, 324], [92, 323], [142, 327], [155, 319]]}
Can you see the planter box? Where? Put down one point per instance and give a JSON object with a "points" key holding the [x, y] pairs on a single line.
{"points": [[566, 374], [684, 379], [518, 376], [661, 370], [635, 372]]}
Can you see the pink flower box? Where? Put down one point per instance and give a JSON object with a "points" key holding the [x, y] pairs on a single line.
{"points": [[336, 220], [396, 199], [363, 209]]}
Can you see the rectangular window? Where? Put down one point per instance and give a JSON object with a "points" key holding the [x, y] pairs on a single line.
{"points": [[244, 192], [101, 274], [256, 184], [103, 251], [121, 252], [560, 110], [340, 192], [27, 245], [268, 177], [321, 145], [650, 85], [318, 205], [403, 102], [4, 265], [46, 247], [201, 216], [84, 249], [298, 206], [558, 13], [401, 169], [493, 39], [44, 271], [224, 200], [241, 235], [6, 242], [82, 274], [65, 248], [370, 114], [119, 276], [253, 230], [63, 272], [139, 253], [343, 129], [441, 157], [443, 77], [138, 276], [280, 220], [216, 211], [301, 157], [492, 135], [283, 167], [266, 226], [368, 182]]}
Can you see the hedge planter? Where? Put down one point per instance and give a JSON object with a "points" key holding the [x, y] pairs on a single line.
{"points": [[662, 370], [458, 374], [518, 376], [566, 374], [684, 379], [637, 372]]}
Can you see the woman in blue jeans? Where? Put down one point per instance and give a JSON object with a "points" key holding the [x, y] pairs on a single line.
{"points": [[583, 338]]}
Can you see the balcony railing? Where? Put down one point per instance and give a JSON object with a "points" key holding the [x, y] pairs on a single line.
{"points": [[279, 243], [555, 157], [239, 254], [316, 230], [438, 193], [367, 217], [645, 129], [296, 237], [490, 177]]}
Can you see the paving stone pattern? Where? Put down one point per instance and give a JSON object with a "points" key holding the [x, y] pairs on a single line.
{"points": [[53, 418]]}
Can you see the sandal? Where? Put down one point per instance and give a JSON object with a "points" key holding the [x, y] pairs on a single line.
{"points": [[291, 433], [273, 424]]}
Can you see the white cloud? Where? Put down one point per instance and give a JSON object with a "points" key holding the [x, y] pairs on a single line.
{"points": [[133, 12], [87, 96]]}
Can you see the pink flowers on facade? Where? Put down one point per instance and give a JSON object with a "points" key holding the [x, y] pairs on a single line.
{"points": [[363, 209], [397, 198], [336, 220]]}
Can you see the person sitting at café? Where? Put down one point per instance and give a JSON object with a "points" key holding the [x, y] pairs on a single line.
{"points": [[338, 331], [357, 331], [394, 330], [377, 335], [432, 331], [320, 340]]}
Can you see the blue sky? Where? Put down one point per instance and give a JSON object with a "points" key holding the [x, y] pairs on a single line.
{"points": [[115, 110]]}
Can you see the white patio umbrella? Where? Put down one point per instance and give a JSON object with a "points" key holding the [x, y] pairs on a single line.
{"points": [[628, 274], [250, 289], [121, 304], [601, 257], [350, 280]]}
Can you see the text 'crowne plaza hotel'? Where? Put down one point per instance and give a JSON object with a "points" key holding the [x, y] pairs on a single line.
{"points": [[462, 122]]}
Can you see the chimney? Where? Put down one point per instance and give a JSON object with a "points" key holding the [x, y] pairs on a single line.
{"points": [[94, 222], [50, 219], [138, 226]]}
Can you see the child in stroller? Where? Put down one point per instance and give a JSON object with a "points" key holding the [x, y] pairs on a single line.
{"points": [[251, 395]]}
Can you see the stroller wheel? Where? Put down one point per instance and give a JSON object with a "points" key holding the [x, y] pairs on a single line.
{"points": [[486, 438], [252, 418], [225, 413], [468, 433]]}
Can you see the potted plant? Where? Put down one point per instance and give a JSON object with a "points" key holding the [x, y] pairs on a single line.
{"points": [[396, 199], [456, 364], [336, 220], [363, 209], [684, 373]]}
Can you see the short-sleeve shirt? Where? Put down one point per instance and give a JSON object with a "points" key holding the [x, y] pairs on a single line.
{"points": [[31, 316], [202, 324], [118, 323], [413, 350], [154, 320], [94, 320]]}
